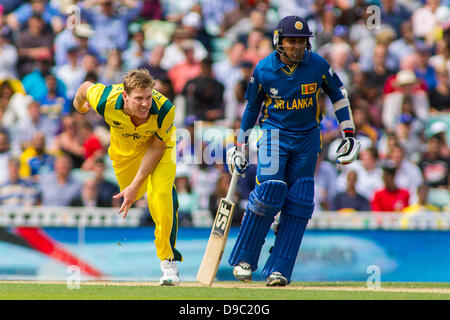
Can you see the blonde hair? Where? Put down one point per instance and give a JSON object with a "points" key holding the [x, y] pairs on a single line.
{"points": [[138, 79]]}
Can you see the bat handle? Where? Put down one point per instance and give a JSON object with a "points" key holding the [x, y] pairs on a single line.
{"points": [[232, 187]]}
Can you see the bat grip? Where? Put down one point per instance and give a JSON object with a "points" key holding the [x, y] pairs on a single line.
{"points": [[232, 187]]}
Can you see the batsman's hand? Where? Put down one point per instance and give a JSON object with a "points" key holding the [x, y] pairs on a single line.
{"points": [[236, 160], [348, 150], [129, 197]]}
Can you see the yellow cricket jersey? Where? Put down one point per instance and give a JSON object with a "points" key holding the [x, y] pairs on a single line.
{"points": [[127, 140]]}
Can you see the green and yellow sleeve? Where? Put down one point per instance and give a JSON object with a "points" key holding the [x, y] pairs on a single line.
{"points": [[165, 119], [97, 96]]}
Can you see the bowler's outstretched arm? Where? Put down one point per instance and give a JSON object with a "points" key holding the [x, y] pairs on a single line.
{"points": [[80, 102]]}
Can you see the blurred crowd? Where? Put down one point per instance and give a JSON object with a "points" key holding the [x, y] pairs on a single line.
{"points": [[393, 56]]}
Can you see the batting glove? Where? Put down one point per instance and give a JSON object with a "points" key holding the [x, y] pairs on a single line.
{"points": [[348, 150], [236, 160]]}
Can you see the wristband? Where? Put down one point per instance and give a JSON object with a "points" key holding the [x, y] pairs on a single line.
{"points": [[349, 134]]}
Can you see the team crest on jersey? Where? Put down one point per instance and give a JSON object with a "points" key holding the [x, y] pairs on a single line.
{"points": [[298, 25], [309, 88]]}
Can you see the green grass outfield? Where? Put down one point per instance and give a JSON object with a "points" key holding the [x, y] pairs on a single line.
{"points": [[116, 290]]}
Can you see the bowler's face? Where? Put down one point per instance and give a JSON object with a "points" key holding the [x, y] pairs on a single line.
{"points": [[294, 47], [138, 102]]}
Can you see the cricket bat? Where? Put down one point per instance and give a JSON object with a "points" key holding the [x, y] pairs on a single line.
{"points": [[218, 238]]}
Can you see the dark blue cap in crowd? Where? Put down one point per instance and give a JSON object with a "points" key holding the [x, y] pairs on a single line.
{"points": [[406, 118], [246, 64], [341, 31], [389, 167], [189, 121]]}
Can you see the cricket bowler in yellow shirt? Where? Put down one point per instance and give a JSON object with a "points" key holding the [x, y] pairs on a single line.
{"points": [[142, 151]]}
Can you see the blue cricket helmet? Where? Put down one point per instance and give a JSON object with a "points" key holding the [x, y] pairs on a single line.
{"points": [[291, 26]]}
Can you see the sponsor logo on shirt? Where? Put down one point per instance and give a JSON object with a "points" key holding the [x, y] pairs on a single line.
{"points": [[135, 136]]}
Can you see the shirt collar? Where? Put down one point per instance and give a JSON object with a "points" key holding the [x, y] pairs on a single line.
{"points": [[119, 102], [277, 64], [154, 108]]}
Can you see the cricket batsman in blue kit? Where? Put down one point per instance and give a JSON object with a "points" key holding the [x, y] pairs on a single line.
{"points": [[286, 84]]}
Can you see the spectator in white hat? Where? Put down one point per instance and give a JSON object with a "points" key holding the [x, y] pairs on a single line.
{"points": [[79, 36], [440, 130], [405, 80]]}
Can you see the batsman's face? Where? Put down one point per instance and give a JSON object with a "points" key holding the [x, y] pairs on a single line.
{"points": [[138, 102], [294, 47]]}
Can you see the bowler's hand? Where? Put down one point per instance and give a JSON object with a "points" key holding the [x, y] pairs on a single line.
{"points": [[129, 197], [86, 107]]}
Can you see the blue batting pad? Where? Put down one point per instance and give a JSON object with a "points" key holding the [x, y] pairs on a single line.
{"points": [[297, 210], [300, 198], [264, 203], [267, 199]]}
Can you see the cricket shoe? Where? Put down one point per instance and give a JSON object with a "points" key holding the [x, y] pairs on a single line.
{"points": [[243, 271], [170, 275], [276, 279]]}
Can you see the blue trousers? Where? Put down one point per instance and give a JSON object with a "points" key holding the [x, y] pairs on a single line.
{"points": [[286, 157]]}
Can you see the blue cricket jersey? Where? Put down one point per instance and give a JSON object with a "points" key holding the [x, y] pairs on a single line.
{"points": [[289, 96]]}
